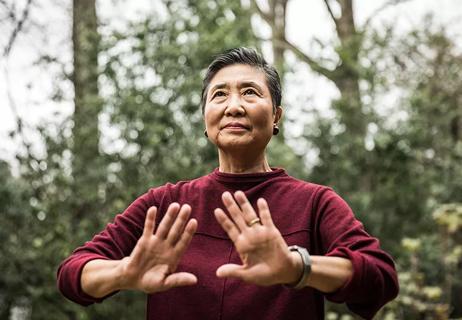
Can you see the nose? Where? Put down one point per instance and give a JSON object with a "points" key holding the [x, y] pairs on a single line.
{"points": [[234, 107]]}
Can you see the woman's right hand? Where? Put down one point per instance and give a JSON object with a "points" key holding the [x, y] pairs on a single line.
{"points": [[151, 266]]}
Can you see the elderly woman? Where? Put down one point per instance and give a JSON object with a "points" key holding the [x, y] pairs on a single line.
{"points": [[244, 241]]}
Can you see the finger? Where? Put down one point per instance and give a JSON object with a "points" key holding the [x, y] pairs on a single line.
{"points": [[149, 222], [180, 279], [186, 236], [178, 225], [246, 208], [167, 220], [265, 214], [231, 270], [234, 210], [227, 225]]}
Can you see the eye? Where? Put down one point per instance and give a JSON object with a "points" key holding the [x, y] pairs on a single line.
{"points": [[249, 92], [219, 94]]}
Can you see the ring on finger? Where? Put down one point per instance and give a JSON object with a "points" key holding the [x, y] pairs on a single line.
{"points": [[254, 221]]}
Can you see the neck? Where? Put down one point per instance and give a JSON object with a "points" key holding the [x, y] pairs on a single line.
{"points": [[231, 163]]}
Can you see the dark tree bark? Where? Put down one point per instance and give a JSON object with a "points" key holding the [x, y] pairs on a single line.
{"points": [[86, 171], [345, 76], [276, 19]]}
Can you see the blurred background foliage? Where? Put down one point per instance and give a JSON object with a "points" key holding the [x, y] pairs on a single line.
{"points": [[400, 169]]}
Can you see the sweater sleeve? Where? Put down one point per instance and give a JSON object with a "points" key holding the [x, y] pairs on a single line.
{"points": [[374, 280], [116, 241]]}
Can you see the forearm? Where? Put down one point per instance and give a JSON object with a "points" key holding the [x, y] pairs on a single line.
{"points": [[101, 277], [327, 273]]}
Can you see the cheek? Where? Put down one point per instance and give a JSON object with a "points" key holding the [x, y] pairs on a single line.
{"points": [[264, 120], [210, 118]]}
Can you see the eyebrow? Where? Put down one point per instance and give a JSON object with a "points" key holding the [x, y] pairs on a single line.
{"points": [[220, 85], [241, 85], [251, 84]]}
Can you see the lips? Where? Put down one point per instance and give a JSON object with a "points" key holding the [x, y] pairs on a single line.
{"points": [[235, 125]]}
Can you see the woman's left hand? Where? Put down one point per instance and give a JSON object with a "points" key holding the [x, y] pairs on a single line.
{"points": [[266, 259]]}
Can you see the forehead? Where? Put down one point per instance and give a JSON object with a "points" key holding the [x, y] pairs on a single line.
{"points": [[237, 73]]}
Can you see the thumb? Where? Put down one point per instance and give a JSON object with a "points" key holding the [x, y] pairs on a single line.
{"points": [[180, 279], [231, 270]]}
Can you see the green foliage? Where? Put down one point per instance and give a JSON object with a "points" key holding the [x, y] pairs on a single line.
{"points": [[396, 175], [428, 270], [406, 166], [150, 81], [154, 97], [409, 160]]}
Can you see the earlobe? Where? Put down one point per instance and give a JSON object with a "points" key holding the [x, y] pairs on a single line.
{"points": [[275, 129], [277, 118]]}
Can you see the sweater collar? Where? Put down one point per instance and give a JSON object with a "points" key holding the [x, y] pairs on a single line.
{"points": [[247, 177]]}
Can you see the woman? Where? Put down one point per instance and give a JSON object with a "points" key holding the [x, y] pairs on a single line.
{"points": [[244, 241]]}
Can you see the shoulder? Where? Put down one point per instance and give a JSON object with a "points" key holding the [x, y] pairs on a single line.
{"points": [[321, 197], [157, 194], [313, 189]]}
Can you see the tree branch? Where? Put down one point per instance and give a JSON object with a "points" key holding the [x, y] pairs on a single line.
{"points": [[14, 110], [315, 66], [331, 13], [17, 29], [265, 15], [381, 8], [10, 12]]}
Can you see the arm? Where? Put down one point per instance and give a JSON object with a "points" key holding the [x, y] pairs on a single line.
{"points": [[150, 266], [115, 242], [353, 270], [265, 255], [101, 277], [339, 234], [328, 274]]}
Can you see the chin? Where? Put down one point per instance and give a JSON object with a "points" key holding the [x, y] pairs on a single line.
{"points": [[234, 143]]}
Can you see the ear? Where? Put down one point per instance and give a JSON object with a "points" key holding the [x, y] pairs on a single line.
{"points": [[278, 115]]}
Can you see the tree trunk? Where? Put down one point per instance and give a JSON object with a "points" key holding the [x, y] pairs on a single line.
{"points": [[275, 17], [346, 76], [278, 30], [86, 171]]}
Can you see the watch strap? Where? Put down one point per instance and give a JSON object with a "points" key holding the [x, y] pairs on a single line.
{"points": [[306, 260]]}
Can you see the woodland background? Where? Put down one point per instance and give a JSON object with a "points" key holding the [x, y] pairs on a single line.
{"points": [[390, 142]]}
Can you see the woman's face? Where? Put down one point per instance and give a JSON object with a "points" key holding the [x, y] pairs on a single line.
{"points": [[238, 111]]}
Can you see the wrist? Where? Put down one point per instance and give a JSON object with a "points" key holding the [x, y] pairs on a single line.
{"points": [[304, 267], [296, 268], [121, 278], [99, 277]]}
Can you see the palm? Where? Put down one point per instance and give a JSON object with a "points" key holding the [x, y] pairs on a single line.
{"points": [[152, 264], [262, 249], [154, 279], [256, 247]]}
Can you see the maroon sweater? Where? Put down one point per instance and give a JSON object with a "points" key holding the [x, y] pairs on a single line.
{"points": [[306, 214]]}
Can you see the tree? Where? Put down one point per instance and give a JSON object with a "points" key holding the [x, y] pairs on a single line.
{"points": [[8, 10], [87, 173], [150, 76], [347, 73], [15, 214], [275, 17], [430, 68]]}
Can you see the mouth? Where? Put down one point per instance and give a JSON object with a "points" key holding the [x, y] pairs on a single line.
{"points": [[236, 126]]}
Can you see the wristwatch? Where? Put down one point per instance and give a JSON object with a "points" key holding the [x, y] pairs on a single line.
{"points": [[306, 260]]}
